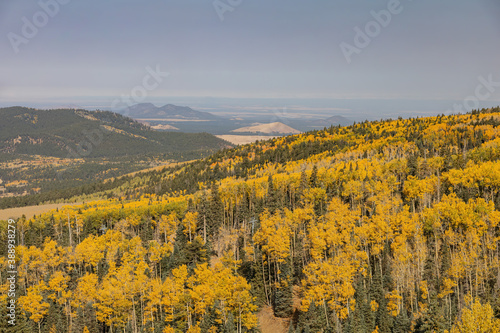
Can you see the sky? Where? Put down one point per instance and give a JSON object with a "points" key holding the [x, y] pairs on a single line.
{"points": [[420, 50]]}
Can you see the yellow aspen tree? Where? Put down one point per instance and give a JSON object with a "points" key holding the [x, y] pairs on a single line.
{"points": [[274, 236], [229, 261], [30, 267], [156, 253], [241, 304], [113, 300], [298, 219], [59, 293], [153, 297], [189, 224], [173, 293], [477, 318], [330, 284], [201, 289], [168, 227], [412, 189], [34, 304], [85, 291], [50, 254], [90, 251], [339, 227], [134, 221], [112, 241], [233, 293], [116, 296], [394, 300]]}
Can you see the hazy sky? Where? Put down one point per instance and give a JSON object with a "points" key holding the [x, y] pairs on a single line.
{"points": [[429, 50]]}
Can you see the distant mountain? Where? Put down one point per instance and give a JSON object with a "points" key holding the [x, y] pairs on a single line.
{"points": [[82, 133], [169, 111], [337, 120], [271, 128]]}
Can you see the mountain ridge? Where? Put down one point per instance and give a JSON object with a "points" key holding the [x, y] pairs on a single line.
{"points": [[149, 111], [78, 132]]}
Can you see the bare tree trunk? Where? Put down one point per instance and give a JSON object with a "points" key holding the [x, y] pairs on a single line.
{"points": [[70, 232], [204, 229], [265, 286], [326, 313]]}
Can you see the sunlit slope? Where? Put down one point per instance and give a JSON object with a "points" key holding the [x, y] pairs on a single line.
{"points": [[389, 226]]}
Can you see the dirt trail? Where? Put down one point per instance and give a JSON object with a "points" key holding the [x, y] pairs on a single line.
{"points": [[269, 323]]}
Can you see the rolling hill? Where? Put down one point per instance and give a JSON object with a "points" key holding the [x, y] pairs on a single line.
{"points": [[79, 133], [169, 111], [271, 128], [337, 120]]}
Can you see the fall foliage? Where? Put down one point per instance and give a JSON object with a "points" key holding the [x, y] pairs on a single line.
{"points": [[385, 226]]}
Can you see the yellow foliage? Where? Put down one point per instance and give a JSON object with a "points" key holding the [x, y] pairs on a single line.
{"points": [[330, 281], [368, 190], [424, 289], [189, 222], [274, 236], [477, 318], [34, 303], [194, 329], [393, 301], [168, 329]]}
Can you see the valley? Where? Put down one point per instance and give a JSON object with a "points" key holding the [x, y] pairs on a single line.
{"points": [[264, 122]]}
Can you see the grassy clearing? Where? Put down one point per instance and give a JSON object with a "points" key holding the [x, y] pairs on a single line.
{"points": [[244, 139], [29, 211]]}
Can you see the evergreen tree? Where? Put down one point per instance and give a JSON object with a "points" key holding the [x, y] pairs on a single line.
{"points": [[313, 320], [313, 180], [208, 320], [433, 320], [230, 326], [402, 323], [382, 318], [283, 294], [215, 213], [272, 195], [357, 320]]}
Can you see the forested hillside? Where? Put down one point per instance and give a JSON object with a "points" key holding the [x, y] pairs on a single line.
{"points": [[385, 226], [76, 133], [46, 154]]}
